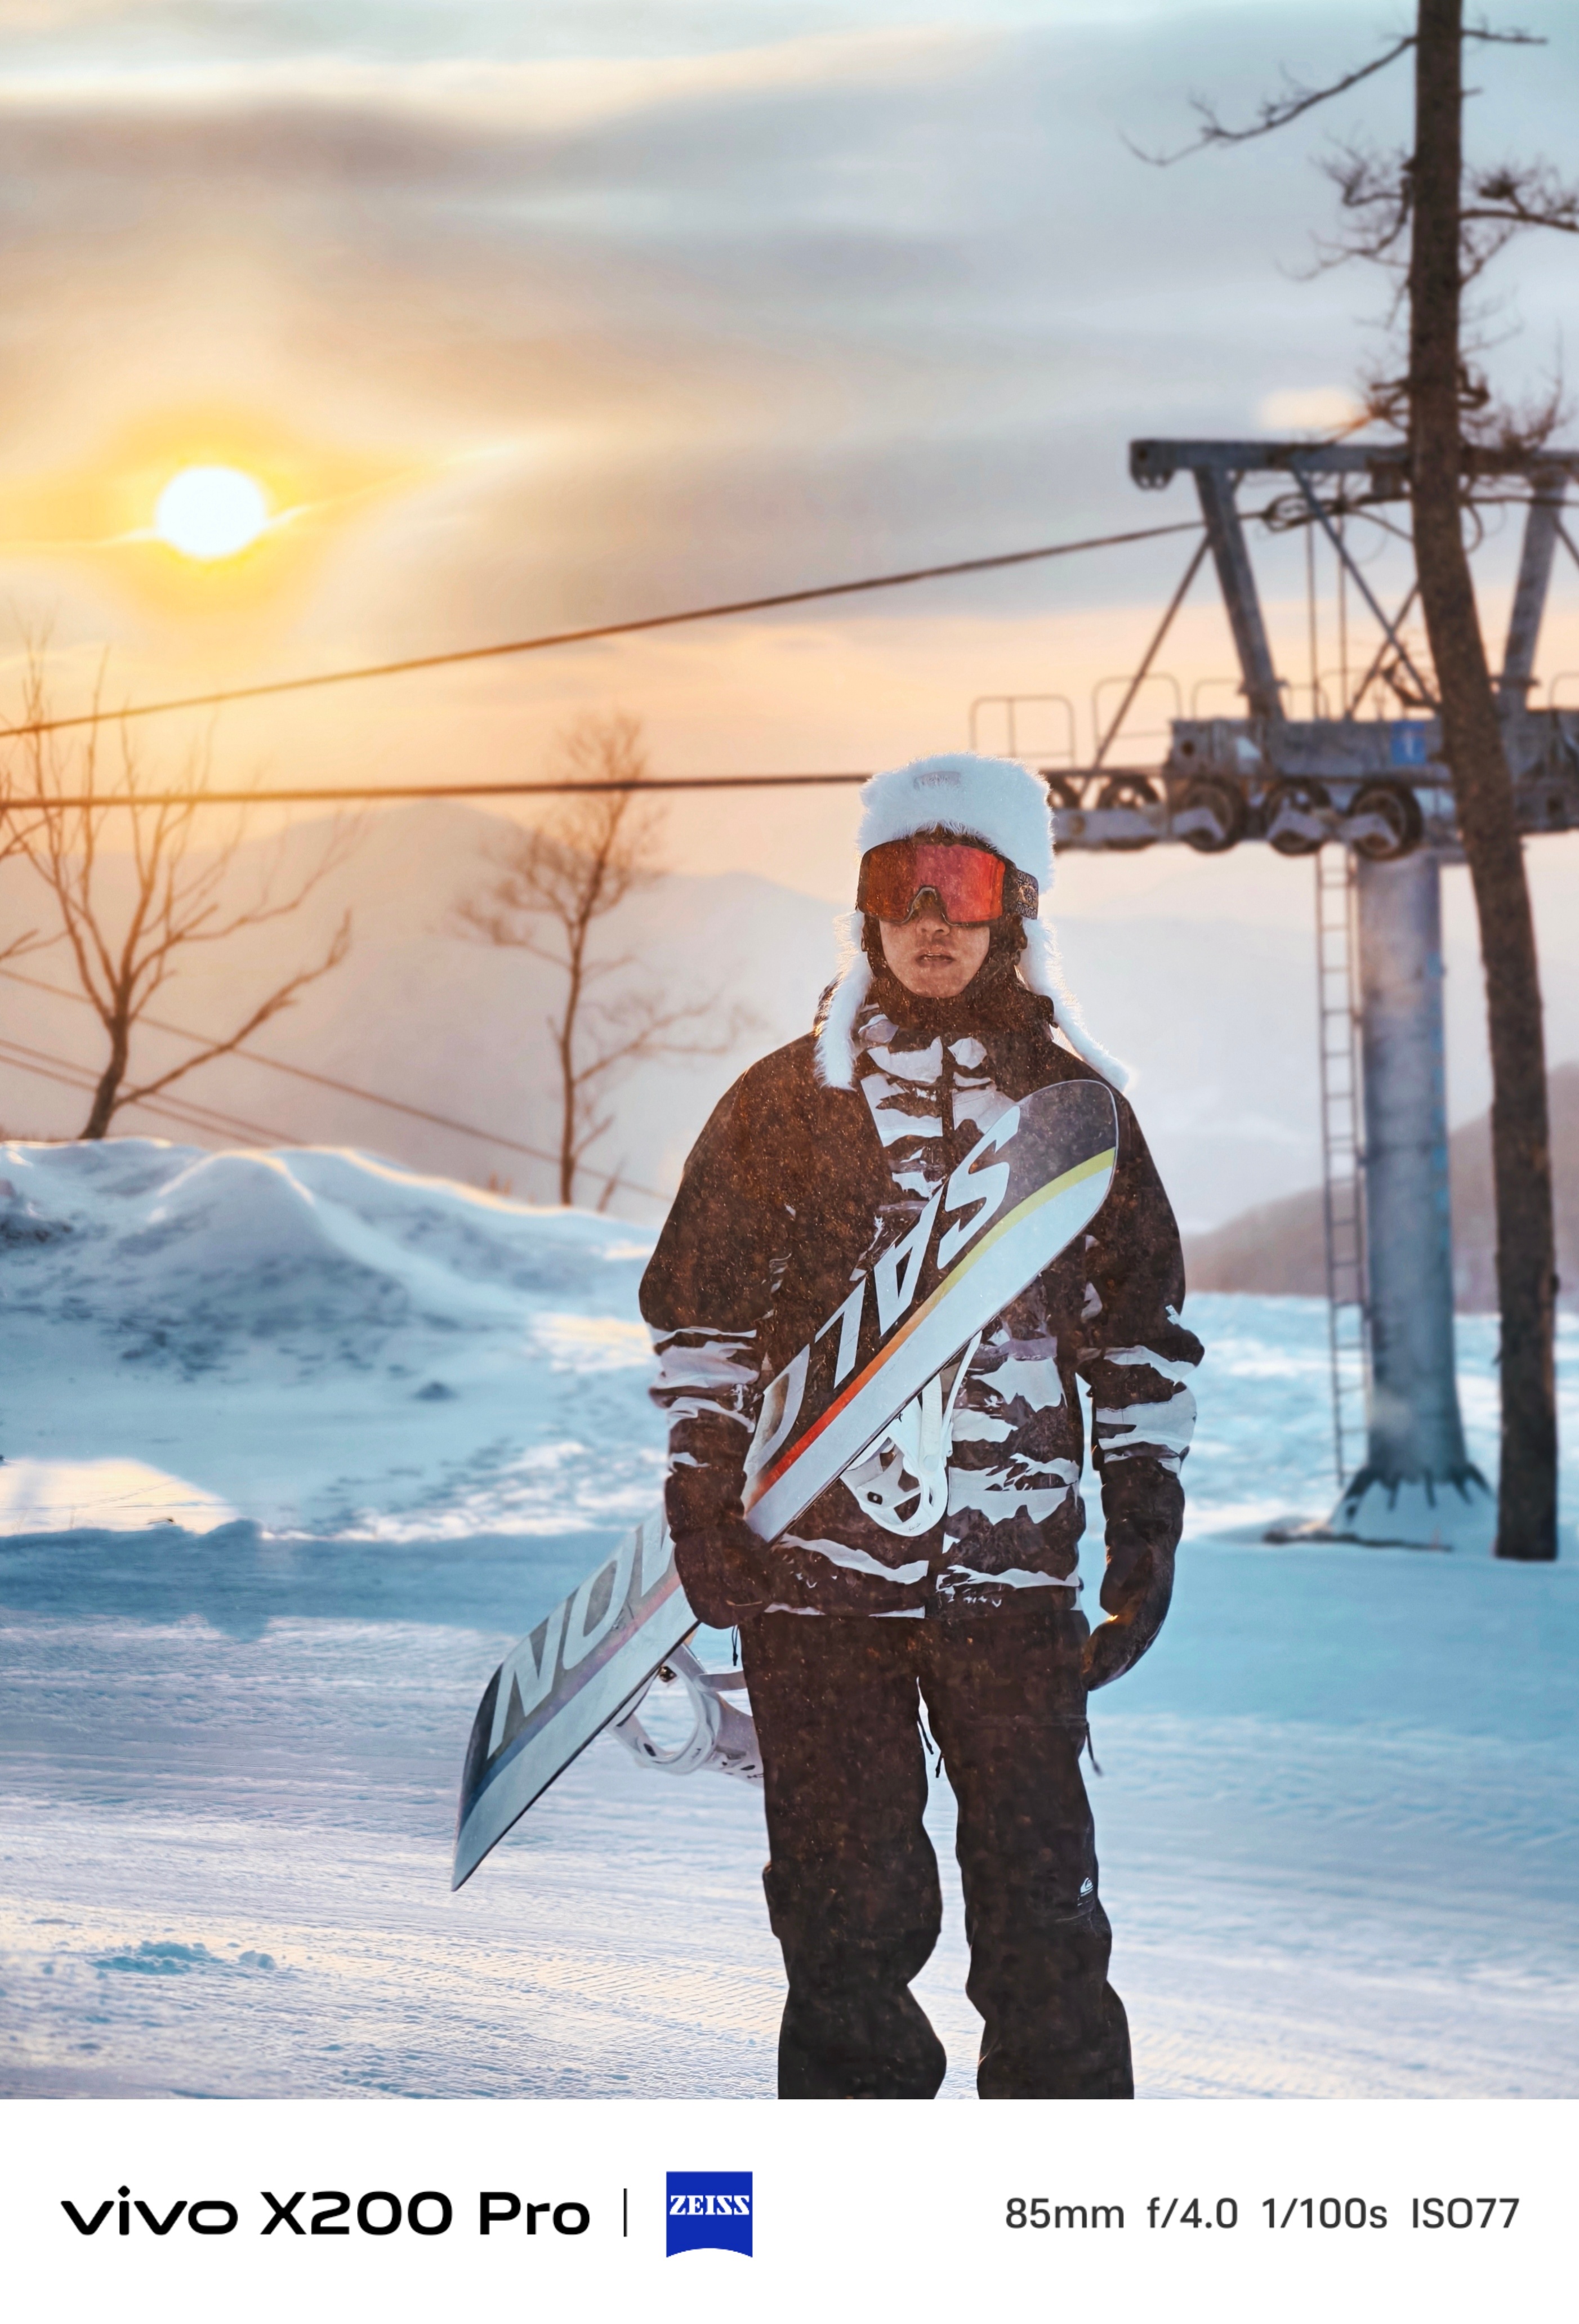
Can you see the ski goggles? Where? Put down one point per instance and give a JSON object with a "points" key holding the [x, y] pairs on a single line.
{"points": [[971, 884]]}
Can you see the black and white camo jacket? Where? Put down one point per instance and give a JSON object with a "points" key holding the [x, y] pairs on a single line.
{"points": [[792, 1188]]}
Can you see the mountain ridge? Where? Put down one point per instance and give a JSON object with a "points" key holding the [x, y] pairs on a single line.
{"points": [[1279, 1247]]}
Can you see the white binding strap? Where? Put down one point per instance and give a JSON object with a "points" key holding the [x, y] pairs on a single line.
{"points": [[909, 1463]]}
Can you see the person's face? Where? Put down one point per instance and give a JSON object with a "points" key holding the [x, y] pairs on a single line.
{"points": [[932, 957]]}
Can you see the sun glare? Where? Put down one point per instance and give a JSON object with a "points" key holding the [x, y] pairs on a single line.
{"points": [[211, 513]]}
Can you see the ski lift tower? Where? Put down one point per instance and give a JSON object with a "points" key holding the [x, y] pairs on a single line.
{"points": [[1377, 789]]}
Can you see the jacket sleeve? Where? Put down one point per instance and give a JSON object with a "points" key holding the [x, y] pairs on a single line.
{"points": [[1137, 1360], [705, 1295]]}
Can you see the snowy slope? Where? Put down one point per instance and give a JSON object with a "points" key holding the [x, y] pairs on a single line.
{"points": [[395, 1419], [316, 1341]]}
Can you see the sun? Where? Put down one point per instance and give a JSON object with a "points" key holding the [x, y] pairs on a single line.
{"points": [[208, 513]]}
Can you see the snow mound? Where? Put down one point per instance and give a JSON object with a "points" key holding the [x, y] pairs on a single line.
{"points": [[315, 1340], [190, 1252], [109, 1496]]}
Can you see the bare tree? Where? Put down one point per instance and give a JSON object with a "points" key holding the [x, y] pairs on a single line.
{"points": [[1437, 223], [18, 824], [554, 884], [172, 900]]}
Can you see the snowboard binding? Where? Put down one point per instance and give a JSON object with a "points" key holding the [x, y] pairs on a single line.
{"points": [[723, 1737]]}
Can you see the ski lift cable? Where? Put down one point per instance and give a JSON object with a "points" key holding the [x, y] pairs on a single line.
{"points": [[541, 644], [217, 698], [323, 1080], [22, 805]]}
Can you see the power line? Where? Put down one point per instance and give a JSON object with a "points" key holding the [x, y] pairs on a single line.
{"points": [[49, 1068], [189, 1116], [51, 804], [324, 1081], [587, 636]]}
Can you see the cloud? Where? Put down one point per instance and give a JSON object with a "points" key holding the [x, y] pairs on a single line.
{"points": [[727, 318], [57, 15], [476, 99]]}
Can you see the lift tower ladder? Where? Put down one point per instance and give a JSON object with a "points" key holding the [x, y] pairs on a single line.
{"points": [[1342, 1152]]}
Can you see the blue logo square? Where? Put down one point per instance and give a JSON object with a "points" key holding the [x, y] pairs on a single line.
{"points": [[708, 2209], [1407, 743]]}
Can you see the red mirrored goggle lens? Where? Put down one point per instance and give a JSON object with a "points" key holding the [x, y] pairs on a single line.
{"points": [[968, 881]]}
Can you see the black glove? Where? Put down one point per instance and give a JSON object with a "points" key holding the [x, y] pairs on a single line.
{"points": [[726, 1572], [1136, 1593]]}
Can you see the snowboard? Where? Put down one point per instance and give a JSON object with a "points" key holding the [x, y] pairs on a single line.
{"points": [[1030, 1185]]}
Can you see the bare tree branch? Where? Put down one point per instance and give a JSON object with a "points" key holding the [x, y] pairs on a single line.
{"points": [[1515, 37], [553, 884], [17, 826], [283, 999], [1376, 202], [1273, 113], [1532, 195], [1376, 191], [177, 899]]}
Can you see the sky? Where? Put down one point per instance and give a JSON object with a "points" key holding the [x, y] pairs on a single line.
{"points": [[529, 317]]}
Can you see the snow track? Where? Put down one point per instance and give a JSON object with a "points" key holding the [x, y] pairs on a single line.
{"points": [[1336, 1820]]}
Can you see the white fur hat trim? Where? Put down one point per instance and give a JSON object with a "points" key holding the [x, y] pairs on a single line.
{"points": [[995, 800], [1043, 971], [835, 1041]]}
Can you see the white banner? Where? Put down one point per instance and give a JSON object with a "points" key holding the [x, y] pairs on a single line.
{"points": [[1298, 2210]]}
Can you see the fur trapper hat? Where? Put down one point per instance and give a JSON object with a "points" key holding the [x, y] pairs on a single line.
{"points": [[1002, 805]]}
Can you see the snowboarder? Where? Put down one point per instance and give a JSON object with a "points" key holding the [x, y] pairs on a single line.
{"points": [[941, 1570]]}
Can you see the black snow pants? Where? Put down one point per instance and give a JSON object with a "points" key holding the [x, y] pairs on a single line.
{"points": [[852, 1884]]}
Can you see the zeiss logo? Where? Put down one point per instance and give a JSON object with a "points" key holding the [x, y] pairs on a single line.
{"points": [[708, 2209]]}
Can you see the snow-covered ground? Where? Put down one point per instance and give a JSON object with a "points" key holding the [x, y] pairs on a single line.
{"points": [[390, 1418]]}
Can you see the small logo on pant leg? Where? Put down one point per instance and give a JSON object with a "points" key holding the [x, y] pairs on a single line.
{"points": [[708, 2207]]}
